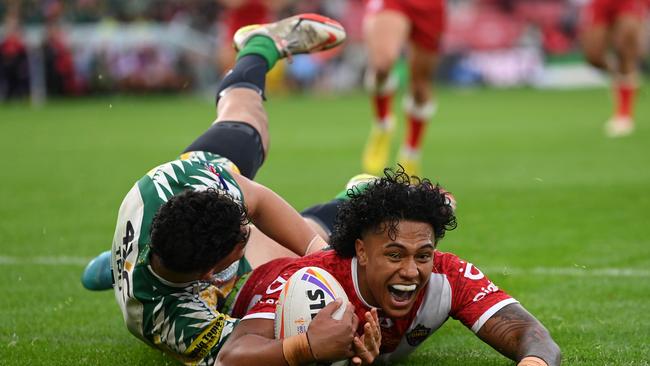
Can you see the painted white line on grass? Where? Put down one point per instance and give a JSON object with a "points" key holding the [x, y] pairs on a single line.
{"points": [[578, 271], [575, 271], [45, 260]]}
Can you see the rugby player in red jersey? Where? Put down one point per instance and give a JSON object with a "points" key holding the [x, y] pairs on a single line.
{"points": [[616, 24], [384, 254], [389, 26]]}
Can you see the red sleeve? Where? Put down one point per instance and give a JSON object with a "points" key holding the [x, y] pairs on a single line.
{"points": [[474, 298]]}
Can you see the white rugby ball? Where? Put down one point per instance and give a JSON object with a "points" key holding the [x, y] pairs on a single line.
{"points": [[306, 292]]}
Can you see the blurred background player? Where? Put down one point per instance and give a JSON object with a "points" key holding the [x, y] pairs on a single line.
{"points": [[14, 68], [617, 24], [388, 26]]}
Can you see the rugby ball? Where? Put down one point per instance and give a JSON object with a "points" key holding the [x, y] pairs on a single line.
{"points": [[306, 292]]}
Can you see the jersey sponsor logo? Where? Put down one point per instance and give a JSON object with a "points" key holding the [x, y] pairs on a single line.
{"points": [[417, 335], [206, 341], [485, 291], [276, 285], [124, 267], [472, 272]]}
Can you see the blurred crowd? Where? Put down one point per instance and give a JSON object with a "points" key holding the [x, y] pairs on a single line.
{"points": [[81, 47]]}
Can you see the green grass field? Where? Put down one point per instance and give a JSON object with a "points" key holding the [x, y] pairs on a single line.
{"points": [[554, 212]]}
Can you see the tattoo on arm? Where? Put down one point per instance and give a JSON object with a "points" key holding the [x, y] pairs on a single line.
{"points": [[515, 333]]}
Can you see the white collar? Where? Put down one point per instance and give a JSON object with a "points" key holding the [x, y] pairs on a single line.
{"points": [[354, 268]]}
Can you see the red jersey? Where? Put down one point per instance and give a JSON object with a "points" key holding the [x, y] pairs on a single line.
{"points": [[456, 288]]}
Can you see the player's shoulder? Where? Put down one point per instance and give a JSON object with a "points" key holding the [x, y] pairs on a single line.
{"points": [[460, 273], [445, 262], [326, 259], [452, 266]]}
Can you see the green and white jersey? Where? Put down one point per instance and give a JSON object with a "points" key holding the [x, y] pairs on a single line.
{"points": [[182, 319]]}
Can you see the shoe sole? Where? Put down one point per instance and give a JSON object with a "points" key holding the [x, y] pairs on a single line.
{"points": [[319, 21]]}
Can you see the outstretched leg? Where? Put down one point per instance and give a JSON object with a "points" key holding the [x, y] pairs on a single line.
{"points": [[619, 25], [419, 106], [240, 132]]}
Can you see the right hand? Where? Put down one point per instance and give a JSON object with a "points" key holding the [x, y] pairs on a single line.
{"points": [[329, 339]]}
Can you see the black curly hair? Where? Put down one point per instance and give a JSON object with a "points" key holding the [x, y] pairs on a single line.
{"points": [[386, 201], [194, 230]]}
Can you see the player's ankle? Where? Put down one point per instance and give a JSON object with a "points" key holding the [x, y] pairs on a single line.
{"points": [[263, 46]]}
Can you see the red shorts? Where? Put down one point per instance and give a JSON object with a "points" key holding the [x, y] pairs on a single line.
{"points": [[250, 12], [427, 18], [605, 12]]}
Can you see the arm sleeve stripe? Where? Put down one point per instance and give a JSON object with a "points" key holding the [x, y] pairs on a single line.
{"points": [[488, 314], [270, 316]]}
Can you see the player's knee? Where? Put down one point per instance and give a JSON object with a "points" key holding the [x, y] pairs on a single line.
{"points": [[421, 91], [382, 60], [628, 42], [596, 58], [243, 105], [383, 67]]}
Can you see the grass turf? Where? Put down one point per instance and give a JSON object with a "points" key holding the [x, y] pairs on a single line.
{"points": [[537, 183]]}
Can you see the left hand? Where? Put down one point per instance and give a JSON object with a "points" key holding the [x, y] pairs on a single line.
{"points": [[366, 347]]}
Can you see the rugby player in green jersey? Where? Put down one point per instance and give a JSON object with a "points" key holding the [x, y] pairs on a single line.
{"points": [[181, 244]]}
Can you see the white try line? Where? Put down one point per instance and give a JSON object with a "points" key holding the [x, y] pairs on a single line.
{"points": [[45, 260], [574, 271]]}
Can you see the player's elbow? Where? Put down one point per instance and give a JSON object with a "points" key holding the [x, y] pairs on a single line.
{"points": [[556, 353], [229, 354], [226, 356]]}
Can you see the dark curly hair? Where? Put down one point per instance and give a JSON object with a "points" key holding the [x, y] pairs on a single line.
{"points": [[194, 230], [387, 200]]}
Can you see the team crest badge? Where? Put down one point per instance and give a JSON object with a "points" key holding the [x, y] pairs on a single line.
{"points": [[417, 335]]}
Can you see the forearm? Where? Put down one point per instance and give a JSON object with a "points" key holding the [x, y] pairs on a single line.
{"points": [[516, 334], [538, 343], [268, 352], [282, 223]]}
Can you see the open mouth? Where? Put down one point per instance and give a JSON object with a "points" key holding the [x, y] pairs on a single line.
{"points": [[402, 294]]}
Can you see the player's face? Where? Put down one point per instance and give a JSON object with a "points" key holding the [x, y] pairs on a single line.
{"points": [[236, 254], [393, 272]]}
